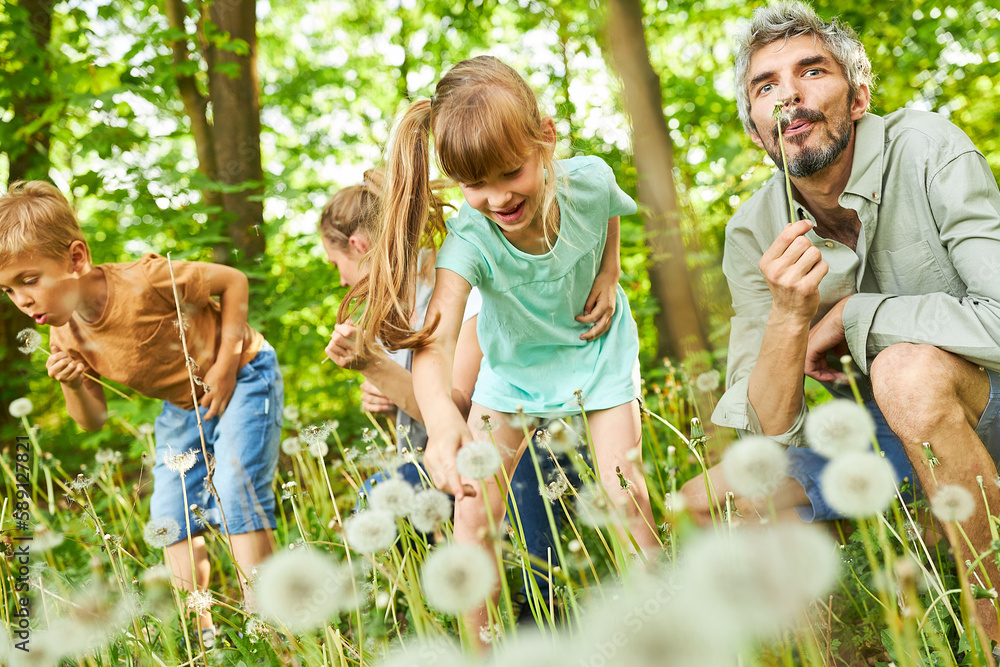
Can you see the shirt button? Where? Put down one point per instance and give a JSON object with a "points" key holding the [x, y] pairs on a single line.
{"points": [[829, 244], [875, 196]]}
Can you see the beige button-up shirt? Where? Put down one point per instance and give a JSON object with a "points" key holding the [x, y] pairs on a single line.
{"points": [[927, 264]]}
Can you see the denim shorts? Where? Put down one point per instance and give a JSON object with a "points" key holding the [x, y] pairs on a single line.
{"points": [[244, 441], [806, 466]]}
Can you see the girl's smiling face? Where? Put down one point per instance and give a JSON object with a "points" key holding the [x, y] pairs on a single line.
{"points": [[512, 199]]}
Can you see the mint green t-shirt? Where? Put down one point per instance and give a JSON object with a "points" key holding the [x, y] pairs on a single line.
{"points": [[533, 357]]}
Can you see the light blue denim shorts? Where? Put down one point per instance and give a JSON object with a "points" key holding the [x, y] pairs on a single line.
{"points": [[806, 466], [244, 441]]}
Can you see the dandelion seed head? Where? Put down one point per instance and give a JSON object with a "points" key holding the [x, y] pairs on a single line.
{"points": [[45, 539], [839, 426], [180, 463], [200, 602], [457, 577], [161, 532], [708, 381], [303, 589], [109, 456], [520, 421], [371, 531], [424, 652], [431, 509], [291, 446], [20, 407], [478, 460], [146, 429], [555, 489], [952, 502], [29, 339], [755, 466], [562, 436], [392, 495], [81, 483], [291, 413], [319, 449], [858, 484], [315, 438]]}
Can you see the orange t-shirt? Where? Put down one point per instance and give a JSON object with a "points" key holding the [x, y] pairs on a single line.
{"points": [[136, 341]]}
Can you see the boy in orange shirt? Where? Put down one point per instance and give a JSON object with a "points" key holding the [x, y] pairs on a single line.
{"points": [[120, 321]]}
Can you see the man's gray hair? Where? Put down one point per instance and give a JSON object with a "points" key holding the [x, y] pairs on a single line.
{"points": [[788, 19]]}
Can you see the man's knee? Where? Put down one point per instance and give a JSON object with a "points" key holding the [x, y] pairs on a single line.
{"points": [[920, 387]]}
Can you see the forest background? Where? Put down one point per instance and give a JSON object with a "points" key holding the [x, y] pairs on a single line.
{"points": [[217, 131]]}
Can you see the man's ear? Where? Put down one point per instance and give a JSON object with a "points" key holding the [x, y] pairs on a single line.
{"points": [[359, 243], [549, 134], [754, 137], [860, 104]]}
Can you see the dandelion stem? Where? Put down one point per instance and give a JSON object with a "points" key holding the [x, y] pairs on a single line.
{"points": [[784, 167]]}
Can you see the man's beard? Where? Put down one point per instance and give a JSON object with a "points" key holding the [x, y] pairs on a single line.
{"points": [[811, 160]]}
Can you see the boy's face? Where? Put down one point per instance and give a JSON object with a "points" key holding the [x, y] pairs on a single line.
{"points": [[46, 289]]}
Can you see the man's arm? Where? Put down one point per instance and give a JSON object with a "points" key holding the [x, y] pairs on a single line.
{"points": [[965, 202]]}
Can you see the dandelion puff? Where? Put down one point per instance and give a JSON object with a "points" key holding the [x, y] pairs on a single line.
{"points": [[291, 413], [708, 381], [46, 648], [370, 531], [303, 588], [45, 539], [162, 532], [29, 339], [555, 489], [392, 495], [595, 508], [756, 582], [561, 436], [20, 407], [838, 427], [521, 421], [457, 577], [146, 429], [81, 483], [431, 508], [952, 503], [200, 601], [755, 466], [315, 438], [423, 652], [858, 484], [291, 446], [478, 460], [255, 629], [180, 463], [109, 456]]}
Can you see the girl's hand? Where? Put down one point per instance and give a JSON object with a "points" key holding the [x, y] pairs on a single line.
{"points": [[221, 381], [439, 459], [374, 401], [65, 369], [343, 347], [600, 306]]}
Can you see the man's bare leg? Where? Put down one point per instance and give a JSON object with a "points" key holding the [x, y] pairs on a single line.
{"points": [[929, 395]]}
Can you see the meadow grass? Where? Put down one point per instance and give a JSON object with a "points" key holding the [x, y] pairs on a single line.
{"points": [[884, 592]]}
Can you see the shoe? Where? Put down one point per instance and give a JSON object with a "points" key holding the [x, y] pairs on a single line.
{"points": [[208, 638]]}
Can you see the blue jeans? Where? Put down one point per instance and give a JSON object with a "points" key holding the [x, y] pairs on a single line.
{"points": [[806, 466], [244, 441]]}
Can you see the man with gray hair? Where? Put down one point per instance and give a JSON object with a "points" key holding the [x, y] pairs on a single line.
{"points": [[893, 257]]}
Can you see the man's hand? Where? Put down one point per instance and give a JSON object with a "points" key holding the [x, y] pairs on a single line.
{"points": [[600, 306], [828, 335], [343, 347], [221, 380], [793, 268], [374, 401], [65, 369]]}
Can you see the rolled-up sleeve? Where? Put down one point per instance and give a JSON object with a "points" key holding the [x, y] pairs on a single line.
{"points": [[965, 319], [752, 304]]}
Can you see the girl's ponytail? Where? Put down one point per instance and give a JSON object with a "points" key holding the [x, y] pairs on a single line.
{"points": [[385, 294]]}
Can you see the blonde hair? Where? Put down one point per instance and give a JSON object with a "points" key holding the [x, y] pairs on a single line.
{"points": [[484, 118], [36, 219]]}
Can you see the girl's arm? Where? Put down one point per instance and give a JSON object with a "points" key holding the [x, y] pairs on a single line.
{"points": [[432, 380], [233, 290], [468, 358], [600, 306]]}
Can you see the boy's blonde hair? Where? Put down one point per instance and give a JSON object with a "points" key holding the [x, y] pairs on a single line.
{"points": [[484, 118], [36, 219]]}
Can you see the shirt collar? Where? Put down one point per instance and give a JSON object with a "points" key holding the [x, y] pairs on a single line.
{"points": [[866, 172]]}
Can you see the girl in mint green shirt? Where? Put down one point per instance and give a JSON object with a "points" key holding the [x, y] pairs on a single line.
{"points": [[539, 238]]}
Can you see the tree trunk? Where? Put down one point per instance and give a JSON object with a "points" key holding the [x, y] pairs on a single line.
{"points": [[29, 161], [195, 104], [236, 124], [681, 333]]}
